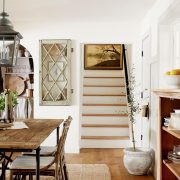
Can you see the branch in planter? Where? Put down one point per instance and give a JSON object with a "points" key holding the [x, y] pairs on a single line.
{"points": [[133, 104]]}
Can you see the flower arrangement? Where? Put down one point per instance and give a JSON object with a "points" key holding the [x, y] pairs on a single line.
{"points": [[133, 103], [2, 98]]}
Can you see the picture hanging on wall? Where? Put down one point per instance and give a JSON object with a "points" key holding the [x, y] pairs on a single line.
{"points": [[103, 56]]}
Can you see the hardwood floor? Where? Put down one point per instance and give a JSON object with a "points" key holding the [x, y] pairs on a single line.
{"points": [[112, 157]]}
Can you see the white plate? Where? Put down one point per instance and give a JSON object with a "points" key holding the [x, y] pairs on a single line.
{"points": [[167, 119], [177, 111]]}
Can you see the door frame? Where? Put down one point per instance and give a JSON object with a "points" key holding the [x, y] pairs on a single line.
{"points": [[145, 36]]}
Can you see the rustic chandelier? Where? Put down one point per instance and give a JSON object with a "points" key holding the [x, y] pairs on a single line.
{"points": [[9, 40]]}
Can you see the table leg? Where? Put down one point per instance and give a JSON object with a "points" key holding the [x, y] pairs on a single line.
{"points": [[38, 163], [57, 135]]}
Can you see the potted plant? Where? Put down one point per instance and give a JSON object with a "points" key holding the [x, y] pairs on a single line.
{"points": [[8, 100], [136, 160]]}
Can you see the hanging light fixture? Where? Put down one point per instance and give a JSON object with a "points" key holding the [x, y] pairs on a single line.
{"points": [[9, 40]]}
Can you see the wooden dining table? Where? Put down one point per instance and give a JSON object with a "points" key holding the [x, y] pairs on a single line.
{"points": [[26, 140]]}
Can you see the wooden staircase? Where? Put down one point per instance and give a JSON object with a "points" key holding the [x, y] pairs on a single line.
{"points": [[104, 121]]}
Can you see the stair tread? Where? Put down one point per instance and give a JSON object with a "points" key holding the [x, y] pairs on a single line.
{"points": [[104, 94], [105, 125], [106, 137], [104, 77], [104, 85], [124, 115], [104, 104]]}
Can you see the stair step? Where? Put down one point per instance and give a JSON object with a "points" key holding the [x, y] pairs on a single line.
{"points": [[105, 125], [93, 143], [104, 109], [104, 90], [103, 85], [104, 94], [115, 120], [107, 115], [105, 99], [104, 81], [106, 137], [104, 104], [104, 77]]}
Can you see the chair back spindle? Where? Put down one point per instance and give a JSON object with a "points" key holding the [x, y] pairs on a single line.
{"points": [[61, 173]]}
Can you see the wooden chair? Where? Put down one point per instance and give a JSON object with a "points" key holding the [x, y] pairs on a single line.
{"points": [[55, 165]]}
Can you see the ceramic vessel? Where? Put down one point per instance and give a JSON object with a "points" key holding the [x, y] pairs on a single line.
{"points": [[26, 53], [137, 162], [173, 80]]}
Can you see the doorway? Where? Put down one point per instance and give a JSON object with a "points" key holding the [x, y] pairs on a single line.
{"points": [[145, 95]]}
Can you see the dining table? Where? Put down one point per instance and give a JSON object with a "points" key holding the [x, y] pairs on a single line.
{"points": [[26, 140]]}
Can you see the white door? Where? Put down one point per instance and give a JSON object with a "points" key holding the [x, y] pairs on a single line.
{"points": [[146, 59]]}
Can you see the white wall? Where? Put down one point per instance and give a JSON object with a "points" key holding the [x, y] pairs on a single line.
{"points": [[158, 23], [79, 33]]}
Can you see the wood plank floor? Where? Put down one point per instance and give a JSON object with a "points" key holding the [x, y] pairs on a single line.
{"points": [[112, 157]]}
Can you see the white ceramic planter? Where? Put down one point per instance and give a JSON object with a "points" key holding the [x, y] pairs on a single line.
{"points": [[137, 162]]}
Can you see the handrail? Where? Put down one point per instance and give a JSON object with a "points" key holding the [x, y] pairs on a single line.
{"points": [[125, 69]]}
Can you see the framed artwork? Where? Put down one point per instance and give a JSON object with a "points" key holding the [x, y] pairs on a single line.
{"points": [[103, 56], [55, 58]]}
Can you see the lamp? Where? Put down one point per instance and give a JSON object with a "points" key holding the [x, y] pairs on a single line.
{"points": [[9, 40]]}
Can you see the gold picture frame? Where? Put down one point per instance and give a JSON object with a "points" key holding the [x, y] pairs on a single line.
{"points": [[103, 56]]}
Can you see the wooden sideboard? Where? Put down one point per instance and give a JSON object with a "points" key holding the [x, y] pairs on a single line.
{"points": [[168, 100]]}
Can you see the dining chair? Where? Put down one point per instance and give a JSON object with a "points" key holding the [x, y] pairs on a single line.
{"points": [[24, 166]]}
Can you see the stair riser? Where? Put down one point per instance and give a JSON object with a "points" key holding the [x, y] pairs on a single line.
{"points": [[104, 99], [103, 81], [101, 73], [105, 143], [105, 120], [104, 90], [104, 131], [104, 110]]}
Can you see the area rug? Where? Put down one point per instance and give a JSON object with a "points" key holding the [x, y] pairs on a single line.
{"points": [[86, 172]]}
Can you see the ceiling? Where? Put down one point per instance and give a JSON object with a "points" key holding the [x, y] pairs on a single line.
{"points": [[78, 10]]}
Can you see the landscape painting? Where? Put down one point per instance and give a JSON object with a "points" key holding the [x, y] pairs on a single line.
{"points": [[103, 56]]}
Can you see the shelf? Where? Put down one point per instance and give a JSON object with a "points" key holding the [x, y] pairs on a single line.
{"points": [[24, 97], [20, 73], [168, 100], [175, 133], [105, 137], [168, 93], [23, 57], [173, 167], [105, 125]]}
